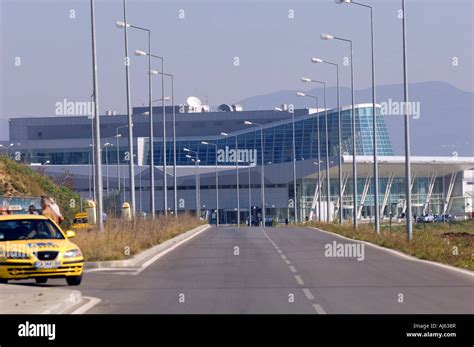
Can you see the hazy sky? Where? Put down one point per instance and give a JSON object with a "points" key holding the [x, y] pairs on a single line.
{"points": [[274, 50]]}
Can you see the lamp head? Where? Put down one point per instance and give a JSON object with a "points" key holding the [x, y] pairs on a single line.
{"points": [[316, 60], [327, 37], [139, 52]]}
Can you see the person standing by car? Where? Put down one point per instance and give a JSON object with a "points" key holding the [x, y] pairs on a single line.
{"points": [[48, 211]]}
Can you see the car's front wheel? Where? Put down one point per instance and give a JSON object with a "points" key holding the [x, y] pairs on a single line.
{"points": [[74, 280], [3, 281], [41, 280]]}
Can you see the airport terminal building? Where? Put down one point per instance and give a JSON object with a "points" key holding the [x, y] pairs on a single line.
{"points": [[237, 143]]}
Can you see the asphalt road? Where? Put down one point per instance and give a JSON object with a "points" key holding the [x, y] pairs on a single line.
{"points": [[278, 270]]}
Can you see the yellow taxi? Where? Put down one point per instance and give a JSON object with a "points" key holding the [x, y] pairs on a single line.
{"points": [[35, 247], [80, 221]]}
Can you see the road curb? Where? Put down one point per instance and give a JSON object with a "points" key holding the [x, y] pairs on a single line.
{"points": [[400, 254], [139, 259], [21, 299]]}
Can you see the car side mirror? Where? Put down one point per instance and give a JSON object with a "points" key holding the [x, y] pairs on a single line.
{"points": [[70, 234]]}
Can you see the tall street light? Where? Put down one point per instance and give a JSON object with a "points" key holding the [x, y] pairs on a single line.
{"points": [[237, 175], [305, 79], [92, 172], [118, 136], [354, 145], [294, 159], [374, 114], [409, 230], [106, 146], [339, 133], [328, 179], [175, 185], [98, 157], [262, 173], [217, 181], [150, 72], [196, 161], [125, 27], [152, 171]]}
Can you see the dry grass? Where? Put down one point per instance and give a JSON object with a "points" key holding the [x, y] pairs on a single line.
{"points": [[121, 240], [448, 243]]}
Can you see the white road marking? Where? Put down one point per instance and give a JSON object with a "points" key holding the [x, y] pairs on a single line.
{"points": [[319, 309], [308, 294], [84, 308], [299, 280]]}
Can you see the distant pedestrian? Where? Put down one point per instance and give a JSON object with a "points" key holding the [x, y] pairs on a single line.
{"points": [[32, 210]]}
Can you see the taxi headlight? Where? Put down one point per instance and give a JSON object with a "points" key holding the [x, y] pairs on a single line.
{"points": [[72, 253]]}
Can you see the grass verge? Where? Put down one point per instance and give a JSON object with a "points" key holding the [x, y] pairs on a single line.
{"points": [[19, 180], [448, 243], [122, 240]]}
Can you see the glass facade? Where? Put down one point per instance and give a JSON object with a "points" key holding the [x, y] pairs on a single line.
{"points": [[278, 140]]}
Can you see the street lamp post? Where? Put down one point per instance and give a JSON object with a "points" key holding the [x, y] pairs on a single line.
{"points": [[175, 192], [293, 145], [98, 157], [262, 173], [152, 72], [237, 175], [328, 179], [125, 26], [354, 143], [339, 133], [250, 199], [374, 113], [106, 146], [151, 124], [217, 181], [118, 136], [92, 171], [305, 79], [196, 161], [409, 227]]}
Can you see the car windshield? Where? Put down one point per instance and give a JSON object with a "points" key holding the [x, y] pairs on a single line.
{"points": [[29, 229]]}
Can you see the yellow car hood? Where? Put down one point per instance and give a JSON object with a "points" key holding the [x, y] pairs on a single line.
{"points": [[29, 246]]}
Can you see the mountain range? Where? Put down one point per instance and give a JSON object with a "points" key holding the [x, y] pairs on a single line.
{"points": [[445, 125]]}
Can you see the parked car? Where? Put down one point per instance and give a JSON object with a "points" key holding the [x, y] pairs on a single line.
{"points": [[268, 221], [428, 218], [444, 218]]}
